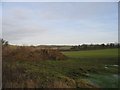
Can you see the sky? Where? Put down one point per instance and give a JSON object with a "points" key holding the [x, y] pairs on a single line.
{"points": [[59, 23]]}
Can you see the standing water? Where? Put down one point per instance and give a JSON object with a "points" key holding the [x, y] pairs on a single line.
{"points": [[104, 80]]}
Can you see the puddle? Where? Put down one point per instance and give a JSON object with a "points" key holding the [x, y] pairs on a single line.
{"points": [[104, 80], [107, 66], [114, 65]]}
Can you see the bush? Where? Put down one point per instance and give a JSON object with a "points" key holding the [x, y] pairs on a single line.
{"points": [[29, 54]]}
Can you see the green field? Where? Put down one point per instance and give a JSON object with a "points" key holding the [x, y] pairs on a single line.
{"points": [[94, 54], [84, 66]]}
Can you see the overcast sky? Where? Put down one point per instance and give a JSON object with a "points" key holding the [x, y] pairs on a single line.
{"points": [[60, 23]]}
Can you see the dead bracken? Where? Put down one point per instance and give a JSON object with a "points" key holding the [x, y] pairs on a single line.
{"points": [[32, 54]]}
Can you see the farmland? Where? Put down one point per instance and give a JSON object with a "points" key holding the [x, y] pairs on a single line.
{"points": [[81, 69]]}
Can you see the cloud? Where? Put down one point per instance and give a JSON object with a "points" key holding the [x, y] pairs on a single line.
{"points": [[20, 13], [15, 29], [75, 10], [59, 23], [0, 20], [11, 32]]}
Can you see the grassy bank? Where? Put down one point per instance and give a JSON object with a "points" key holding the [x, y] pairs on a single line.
{"points": [[69, 73]]}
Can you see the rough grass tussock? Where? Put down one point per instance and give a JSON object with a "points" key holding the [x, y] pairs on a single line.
{"points": [[30, 54]]}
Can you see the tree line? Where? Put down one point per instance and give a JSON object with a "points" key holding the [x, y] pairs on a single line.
{"points": [[5, 43], [95, 46]]}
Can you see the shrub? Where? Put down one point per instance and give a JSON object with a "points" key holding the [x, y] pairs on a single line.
{"points": [[29, 54]]}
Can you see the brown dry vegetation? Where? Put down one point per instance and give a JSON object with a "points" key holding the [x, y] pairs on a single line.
{"points": [[31, 54], [15, 76], [23, 75]]}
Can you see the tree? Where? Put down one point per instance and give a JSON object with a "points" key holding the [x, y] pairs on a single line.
{"points": [[4, 43]]}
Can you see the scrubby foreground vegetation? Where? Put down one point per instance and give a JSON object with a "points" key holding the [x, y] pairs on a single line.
{"points": [[73, 72], [31, 54], [33, 67]]}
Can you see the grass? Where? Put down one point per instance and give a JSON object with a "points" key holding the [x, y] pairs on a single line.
{"points": [[93, 54], [68, 73]]}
